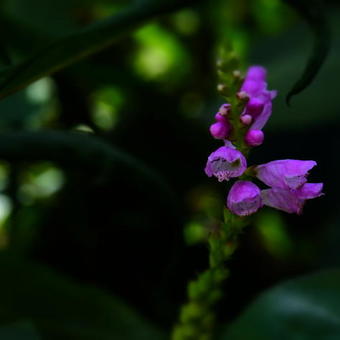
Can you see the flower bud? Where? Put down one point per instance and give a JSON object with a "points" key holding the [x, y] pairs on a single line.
{"points": [[253, 87], [220, 118], [242, 95], [256, 73], [246, 119], [224, 109], [254, 137], [244, 198], [220, 130], [237, 74], [221, 88], [254, 106]]}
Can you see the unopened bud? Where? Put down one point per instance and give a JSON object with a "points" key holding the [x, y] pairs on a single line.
{"points": [[220, 130], [220, 118], [224, 109], [254, 137], [246, 119], [255, 106], [242, 95], [221, 87], [237, 74]]}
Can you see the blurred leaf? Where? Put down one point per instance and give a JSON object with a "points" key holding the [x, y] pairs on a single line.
{"points": [[160, 54], [62, 309], [79, 150], [305, 308], [314, 13], [51, 18], [83, 43], [28, 108], [284, 55], [19, 331], [4, 57], [273, 232]]}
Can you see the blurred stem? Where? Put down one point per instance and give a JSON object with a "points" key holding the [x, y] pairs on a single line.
{"points": [[12, 192], [197, 316]]}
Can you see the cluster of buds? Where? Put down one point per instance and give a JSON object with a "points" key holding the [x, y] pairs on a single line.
{"points": [[287, 179]]}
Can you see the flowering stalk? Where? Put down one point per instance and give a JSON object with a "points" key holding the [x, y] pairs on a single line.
{"points": [[238, 124], [197, 316]]}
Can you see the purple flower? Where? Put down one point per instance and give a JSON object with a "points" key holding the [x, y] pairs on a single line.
{"points": [[285, 174], [254, 137], [244, 198], [288, 181], [220, 130], [256, 73], [259, 106], [225, 163], [291, 201]]}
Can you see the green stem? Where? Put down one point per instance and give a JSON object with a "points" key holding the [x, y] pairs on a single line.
{"points": [[197, 316]]}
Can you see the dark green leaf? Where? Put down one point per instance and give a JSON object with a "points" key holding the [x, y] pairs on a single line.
{"points": [[81, 44], [314, 13], [306, 308], [62, 309], [19, 331], [79, 150], [4, 57]]}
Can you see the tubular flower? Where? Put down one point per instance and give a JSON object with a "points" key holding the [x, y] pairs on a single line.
{"points": [[291, 201], [285, 173], [254, 137], [244, 198], [259, 106], [225, 163], [221, 128], [288, 181]]}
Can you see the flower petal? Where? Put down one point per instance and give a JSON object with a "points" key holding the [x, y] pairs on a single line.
{"points": [[244, 198], [253, 87], [310, 191], [286, 173], [259, 105], [282, 199], [256, 72], [225, 163], [263, 117]]}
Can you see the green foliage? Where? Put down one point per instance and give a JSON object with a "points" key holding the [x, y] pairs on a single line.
{"points": [[62, 309], [314, 14], [305, 308], [83, 43], [67, 149], [19, 331], [102, 205]]}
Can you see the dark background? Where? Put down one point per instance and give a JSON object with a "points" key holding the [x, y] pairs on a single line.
{"points": [[121, 223]]}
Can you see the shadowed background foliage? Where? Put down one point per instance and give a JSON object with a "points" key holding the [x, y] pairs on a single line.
{"points": [[104, 136]]}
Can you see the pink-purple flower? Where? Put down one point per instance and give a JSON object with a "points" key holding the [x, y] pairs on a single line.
{"points": [[288, 181], [285, 173], [244, 198], [225, 163], [254, 137], [221, 128], [291, 201], [259, 106]]}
